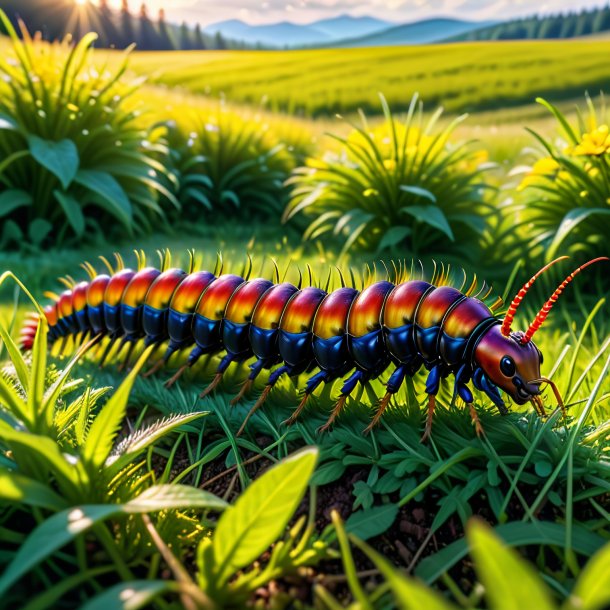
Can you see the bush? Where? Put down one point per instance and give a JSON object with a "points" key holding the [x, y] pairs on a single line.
{"points": [[401, 185], [74, 159], [227, 163], [568, 187]]}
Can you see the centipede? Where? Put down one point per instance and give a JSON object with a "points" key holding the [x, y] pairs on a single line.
{"points": [[386, 328]]}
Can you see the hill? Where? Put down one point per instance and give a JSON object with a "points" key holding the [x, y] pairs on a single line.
{"points": [[419, 32], [289, 34], [461, 76]]}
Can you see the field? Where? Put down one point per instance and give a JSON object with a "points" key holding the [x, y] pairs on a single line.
{"points": [[117, 492], [462, 77]]}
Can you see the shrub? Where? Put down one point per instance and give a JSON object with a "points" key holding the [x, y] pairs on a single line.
{"points": [[225, 162], [401, 185], [74, 159], [568, 187]]}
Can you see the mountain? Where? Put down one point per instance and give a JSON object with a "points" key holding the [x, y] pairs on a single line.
{"points": [[285, 33], [418, 32], [346, 26]]}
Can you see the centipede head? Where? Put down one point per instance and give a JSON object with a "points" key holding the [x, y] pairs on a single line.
{"points": [[509, 358]]}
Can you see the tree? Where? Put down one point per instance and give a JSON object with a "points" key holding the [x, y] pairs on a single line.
{"points": [[108, 33], [219, 42], [127, 34], [601, 21], [185, 37], [199, 41], [164, 39], [147, 34]]}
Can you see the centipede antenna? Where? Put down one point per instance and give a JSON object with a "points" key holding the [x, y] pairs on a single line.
{"points": [[341, 276], [120, 263], [276, 271], [107, 264]]}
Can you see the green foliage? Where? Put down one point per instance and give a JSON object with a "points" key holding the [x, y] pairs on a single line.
{"points": [[226, 163], [567, 190], [401, 186], [75, 161]]}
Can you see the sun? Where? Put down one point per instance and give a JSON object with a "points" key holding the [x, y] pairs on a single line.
{"points": [[81, 2]]}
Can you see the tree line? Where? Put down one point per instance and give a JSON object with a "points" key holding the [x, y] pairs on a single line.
{"points": [[566, 25], [115, 28]]}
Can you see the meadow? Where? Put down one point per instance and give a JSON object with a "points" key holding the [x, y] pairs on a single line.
{"points": [[117, 492]]}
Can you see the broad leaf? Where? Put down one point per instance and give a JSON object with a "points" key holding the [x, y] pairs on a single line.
{"points": [[129, 595], [372, 521], [431, 215], [60, 158], [15, 488], [592, 590], [110, 194], [38, 230], [12, 199], [419, 192], [72, 210], [261, 513], [510, 582], [61, 528], [393, 236], [106, 425], [570, 221]]}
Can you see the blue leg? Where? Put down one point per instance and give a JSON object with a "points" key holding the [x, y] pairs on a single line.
{"points": [[255, 370], [220, 371], [393, 385], [348, 387], [481, 382], [433, 383], [310, 387]]}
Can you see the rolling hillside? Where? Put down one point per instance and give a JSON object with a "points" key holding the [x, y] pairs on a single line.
{"points": [[461, 76]]}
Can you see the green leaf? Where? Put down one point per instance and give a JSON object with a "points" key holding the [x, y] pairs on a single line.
{"points": [[60, 158], [61, 528], [38, 230], [409, 593], [13, 199], [7, 122], [72, 210], [419, 192], [131, 595], [516, 533], [570, 221], [110, 194], [393, 236], [15, 488], [592, 590], [261, 513], [328, 472], [431, 215], [510, 582], [105, 426], [372, 521]]}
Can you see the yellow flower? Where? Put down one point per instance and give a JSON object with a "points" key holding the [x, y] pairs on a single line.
{"points": [[389, 164], [546, 167], [594, 143]]}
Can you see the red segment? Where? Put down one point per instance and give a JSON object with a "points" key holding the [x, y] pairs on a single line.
{"points": [[271, 306], [402, 302], [189, 292], [116, 287], [136, 291], [96, 290], [435, 305], [213, 302], [331, 318], [64, 304], [50, 312], [465, 317], [163, 288], [301, 310], [244, 300], [79, 296], [365, 314]]}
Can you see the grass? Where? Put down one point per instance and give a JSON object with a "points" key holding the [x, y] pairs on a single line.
{"points": [[461, 76]]}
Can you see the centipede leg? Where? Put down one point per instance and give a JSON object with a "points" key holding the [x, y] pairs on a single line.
{"points": [[156, 367], [392, 387], [475, 420], [310, 387], [385, 401], [172, 380], [255, 369], [334, 413]]}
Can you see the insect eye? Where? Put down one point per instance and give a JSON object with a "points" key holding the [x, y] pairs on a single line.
{"points": [[507, 366]]}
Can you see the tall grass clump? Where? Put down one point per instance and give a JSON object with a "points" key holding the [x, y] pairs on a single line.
{"points": [[403, 185], [75, 160], [567, 190], [226, 163]]}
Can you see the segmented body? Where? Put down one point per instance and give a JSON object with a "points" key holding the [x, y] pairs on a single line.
{"points": [[346, 332]]}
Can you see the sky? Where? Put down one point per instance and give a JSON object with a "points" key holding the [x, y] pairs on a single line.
{"points": [[305, 11]]}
